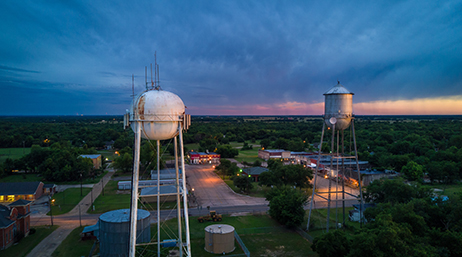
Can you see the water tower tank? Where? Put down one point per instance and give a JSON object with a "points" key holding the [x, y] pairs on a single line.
{"points": [[338, 107], [159, 113], [219, 239], [114, 227]]}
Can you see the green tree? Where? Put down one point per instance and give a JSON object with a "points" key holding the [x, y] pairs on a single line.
{"points": [[413, 171], [124, 163], [332, 244], [286, 206], [227, 151], [243, 183]]}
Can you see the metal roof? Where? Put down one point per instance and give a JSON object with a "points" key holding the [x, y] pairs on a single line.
{"points": [[4, 217], [338, 89], [219, 229], [254, 170], [20, 202], [149, 191], [122, 216], [19, 188], [91, 156]]}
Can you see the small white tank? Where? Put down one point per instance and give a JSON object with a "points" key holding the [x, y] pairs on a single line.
{"points": [[159, 113], [338, 107], [219, 239]]}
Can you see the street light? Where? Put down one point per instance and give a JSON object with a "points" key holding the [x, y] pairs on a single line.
{"points": [[81, 184], [51, 212]]}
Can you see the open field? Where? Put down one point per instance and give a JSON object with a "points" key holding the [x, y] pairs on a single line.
{"points": [[73, 246], [448, 190], [13, 153], [28, 177], [248, 155], [66, 201], [262, 236], [256, 191], [28, 243], [111, 200]]}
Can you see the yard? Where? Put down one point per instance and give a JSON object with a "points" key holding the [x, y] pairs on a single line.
{"points": [[262, 236], [66, 201], [73, 246], [13, 153], [111, 200], [28, 243]]}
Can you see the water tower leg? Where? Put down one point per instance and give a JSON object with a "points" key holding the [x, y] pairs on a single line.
{"points": [[361, 209], [178, 198], [315, 176], [134, 199], [330, 180], [185, 197], [158, 198], [343, 178]]}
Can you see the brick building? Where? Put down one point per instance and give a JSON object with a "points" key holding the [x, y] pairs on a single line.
{"points": [[14, 222]]}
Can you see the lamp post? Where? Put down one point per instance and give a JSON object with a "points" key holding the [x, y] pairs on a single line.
{"points": [[81, 184], [51, 212]]}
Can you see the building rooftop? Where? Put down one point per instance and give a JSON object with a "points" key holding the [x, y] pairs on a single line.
{"points": [[91, 156], [19, 188], [20, 202], [254, 170]]}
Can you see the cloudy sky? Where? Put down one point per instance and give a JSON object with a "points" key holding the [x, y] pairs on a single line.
{"points": [[231, 57]]}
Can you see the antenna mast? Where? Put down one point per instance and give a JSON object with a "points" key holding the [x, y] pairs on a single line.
{"points": [[146, 76]]}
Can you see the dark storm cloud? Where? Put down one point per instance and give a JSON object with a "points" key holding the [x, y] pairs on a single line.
{"points": [[227, 53]]}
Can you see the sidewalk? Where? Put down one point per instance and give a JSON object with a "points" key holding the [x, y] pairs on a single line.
{"points": [[50, 243]]}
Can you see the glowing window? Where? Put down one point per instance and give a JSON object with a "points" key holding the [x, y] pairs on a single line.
{"points": [[11, 198], [2, 198]]}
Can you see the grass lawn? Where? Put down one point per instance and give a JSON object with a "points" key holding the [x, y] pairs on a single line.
{"points": [[448, 190], [23, 177], [110, 200], [272, 240], [13, 153], [319, 217], [194, 147], [66, 201], [28, 243], [256, 191], [73, 246], [248, 156]]}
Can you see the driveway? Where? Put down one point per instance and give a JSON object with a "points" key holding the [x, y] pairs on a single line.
{"points": [[210, 190]]}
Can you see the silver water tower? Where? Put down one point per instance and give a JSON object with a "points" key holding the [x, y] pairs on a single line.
{"points": [[338, 116]]}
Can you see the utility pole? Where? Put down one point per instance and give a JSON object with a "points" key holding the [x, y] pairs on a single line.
{"points": [[51, 211], [80, 216], [81, 184]]}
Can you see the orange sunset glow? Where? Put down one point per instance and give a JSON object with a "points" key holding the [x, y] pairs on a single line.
{"points": [[422, 106]]}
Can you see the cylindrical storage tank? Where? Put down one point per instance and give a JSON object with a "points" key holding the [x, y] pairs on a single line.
{"points": [[219, 238], [159, 113], [338, 107], [114, 227]]}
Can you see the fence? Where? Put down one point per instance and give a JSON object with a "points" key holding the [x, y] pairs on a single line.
{"points": [[242, 245]]}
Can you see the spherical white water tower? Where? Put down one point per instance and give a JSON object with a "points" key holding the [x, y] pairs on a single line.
{"points": [[159, 115]]}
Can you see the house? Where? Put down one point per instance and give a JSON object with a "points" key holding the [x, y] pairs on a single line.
{"points": [[13, 191], [14, 222], [273, 154], [49, 189], [203, 158], [95, 158], [254, 172]]}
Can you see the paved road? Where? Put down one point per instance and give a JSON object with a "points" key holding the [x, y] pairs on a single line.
{"points": [[67, 223], [210, 190]]}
